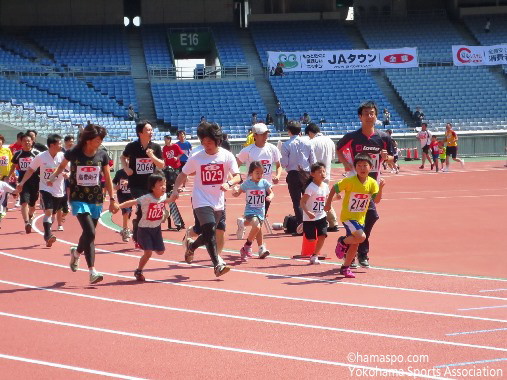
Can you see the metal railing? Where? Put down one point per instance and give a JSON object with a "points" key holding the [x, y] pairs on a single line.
{"points": [[206, 72]]}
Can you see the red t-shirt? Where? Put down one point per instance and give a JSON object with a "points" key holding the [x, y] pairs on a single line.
{"points": [[170, 153], [434, 147], [15, 147]]}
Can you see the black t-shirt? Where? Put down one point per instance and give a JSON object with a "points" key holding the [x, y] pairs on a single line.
{"points": [[122, 178], [23, 159], [140, 163], [40, 147], [357, 142], [85, 174]]}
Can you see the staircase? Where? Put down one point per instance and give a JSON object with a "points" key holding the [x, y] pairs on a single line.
{"points": [[35, 48], [140, 76], [260, 76]]}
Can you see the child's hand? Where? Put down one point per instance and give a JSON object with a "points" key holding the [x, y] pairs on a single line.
{"points": [[381, 183], [235, 193], [310, 214], [172, 198], [269, 198]]}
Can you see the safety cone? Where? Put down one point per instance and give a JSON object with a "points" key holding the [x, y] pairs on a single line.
{"points": [[307, 249], [416, 154], [409, 155]]}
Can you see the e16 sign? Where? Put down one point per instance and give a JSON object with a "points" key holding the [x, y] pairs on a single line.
{"points": [[190, 42]]}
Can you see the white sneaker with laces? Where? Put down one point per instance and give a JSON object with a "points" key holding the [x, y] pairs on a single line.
{"points": [[463, 163], [314, 259], [263, 252], [60, 228], [240, 233]]}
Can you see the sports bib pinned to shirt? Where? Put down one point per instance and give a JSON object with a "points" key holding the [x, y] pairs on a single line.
{"points": [[318, 204], [124, 186], [87, 175], [24, 163], [47, 172], [212, 174], [266, 164], [155, 212], [144, 166], [255, 198], [358, 202], [4, 161]]}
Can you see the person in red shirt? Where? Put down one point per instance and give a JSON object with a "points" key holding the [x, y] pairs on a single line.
{"points": [[17, 145], [171, 153]]}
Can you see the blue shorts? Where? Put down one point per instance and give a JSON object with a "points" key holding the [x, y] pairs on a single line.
{"points": [[352, 226], [86, 208]]}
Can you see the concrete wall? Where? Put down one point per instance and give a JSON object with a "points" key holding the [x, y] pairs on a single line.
{"points": [[60, 12], [170, 12]]}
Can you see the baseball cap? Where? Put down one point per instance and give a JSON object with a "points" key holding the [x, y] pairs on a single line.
{"points": [[259, 128]]}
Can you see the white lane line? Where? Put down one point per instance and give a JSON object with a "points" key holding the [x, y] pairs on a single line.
{"points": [[212, 346], [273, 296], [499, 370], [484, 307], [261, 320], [270, 257], [475, 332], [69, 367], [492, 290]]}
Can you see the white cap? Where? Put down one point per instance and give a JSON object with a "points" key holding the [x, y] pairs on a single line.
{"points": [[259, 128]]}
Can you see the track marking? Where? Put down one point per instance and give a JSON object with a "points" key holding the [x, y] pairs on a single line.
{"points": [[69, 367], [492, 290], [212, 346], [262, 320], [470, 363], [103, 223], [475, 332], [273, 296], [484, 307]]}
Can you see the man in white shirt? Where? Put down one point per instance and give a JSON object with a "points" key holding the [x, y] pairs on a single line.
{"points": [[52, 195], [424, 137], [211, 167], [325, 152], [269, 157]]}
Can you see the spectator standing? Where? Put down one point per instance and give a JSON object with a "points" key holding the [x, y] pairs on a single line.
{"points": [[40, 147], [279, 117], [306, 119], [279, 70], [131, 113], [418, 117], [225, 142], [269, 119], [325, 152], [297, 157], [186, 147], [253, 120], [424, 136], [386, 117], [378, 145], [452, 147], [487, 26]]}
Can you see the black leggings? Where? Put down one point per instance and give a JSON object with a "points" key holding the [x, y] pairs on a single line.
{"points": [[207, 238], [87, 239]]}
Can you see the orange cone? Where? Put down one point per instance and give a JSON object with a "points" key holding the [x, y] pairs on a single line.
{"points": [[409, 155], [416, 154], [308, 247]]}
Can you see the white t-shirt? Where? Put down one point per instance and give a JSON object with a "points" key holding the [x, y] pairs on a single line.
{"points": [[316, 201], [211, 171], [4, 189], [48, 166], [268, 155], [424, 137], [325, 151], [152, 210]]}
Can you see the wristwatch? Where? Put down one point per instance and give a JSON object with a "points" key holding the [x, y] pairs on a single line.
{"points": [[230, 185]]}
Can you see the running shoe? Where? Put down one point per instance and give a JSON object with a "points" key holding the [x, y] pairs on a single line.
{"points": [[314, 259], [221, 269], [364, 262], [50, 241], [28, 227], [240, 233], [341, 248], [463, 163], [246, 252], [60, 228], [346, 272], [125, 236], [189, 252], [263, 252], [138, 274], [96, 277], [74, 259], [137, 245], [432, 166], [421, 167]]}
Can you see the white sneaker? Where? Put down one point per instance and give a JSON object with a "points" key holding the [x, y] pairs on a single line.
{"points": [[314, 259], [263, 252], [463, 163], [60, 228], [240, 233], [74, 259]]}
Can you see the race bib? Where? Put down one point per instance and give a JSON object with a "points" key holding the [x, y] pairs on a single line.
{"points": [[212, 174], [318, 204], [4, 161], [47, 173], [169, 154], [358, 202], [155, 212], [375, 158], [88, 175], [24, 163], [124, 186], [144, 166], [266, 164], [255, 198]]}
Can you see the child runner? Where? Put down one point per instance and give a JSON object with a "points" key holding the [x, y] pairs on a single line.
{"points": [[185, 146], [258, 191], [442, 153], [359, 189], [4, 189], [435, 151], [121, 185], [149, 232], [312, 204], [87, 162]]}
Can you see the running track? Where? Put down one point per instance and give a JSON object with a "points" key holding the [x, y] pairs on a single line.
{"points": [[438, 288]]}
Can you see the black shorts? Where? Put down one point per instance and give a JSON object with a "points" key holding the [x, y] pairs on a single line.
{"points": [[451, 151], [426, 149], [183, 163], [206, 215], [49, 202], [64, 206], [314, 228], [150, 239], [124, 198], [29, 194]]}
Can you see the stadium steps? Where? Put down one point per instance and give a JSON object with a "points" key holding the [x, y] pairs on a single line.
{"points": [[41, 53], [465, 33], [252, 59], [354, 36], [140, 75]]}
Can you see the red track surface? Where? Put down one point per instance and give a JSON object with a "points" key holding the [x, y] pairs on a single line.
{"points": [[439, 267]]}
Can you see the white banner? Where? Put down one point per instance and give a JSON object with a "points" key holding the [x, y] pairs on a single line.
{"points": [[343, 59], [479, 55]]}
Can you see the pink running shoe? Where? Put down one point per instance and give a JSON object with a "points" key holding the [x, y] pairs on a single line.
{"points": [[346, 272], [341, 248], [246, 252]]}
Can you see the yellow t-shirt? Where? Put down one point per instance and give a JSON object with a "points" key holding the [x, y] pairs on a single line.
{"points": [[5, 161], [452, 138], [249, 139], [357, 197]]}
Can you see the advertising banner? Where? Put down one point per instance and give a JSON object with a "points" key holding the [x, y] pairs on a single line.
{"points": [[479, 55]]}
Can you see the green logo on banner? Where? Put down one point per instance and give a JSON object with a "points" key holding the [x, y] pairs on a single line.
{"points": [[288, 61]]}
